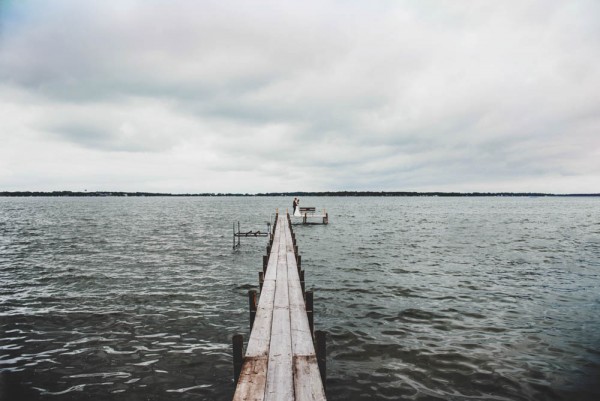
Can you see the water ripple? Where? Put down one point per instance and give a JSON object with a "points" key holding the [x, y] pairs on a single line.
{"points": [[422, 298]]}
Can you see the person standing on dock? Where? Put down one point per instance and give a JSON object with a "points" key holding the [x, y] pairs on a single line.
{"points": [[295, 205]]}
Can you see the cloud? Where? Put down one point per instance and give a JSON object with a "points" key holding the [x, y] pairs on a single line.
{"points": [[134, 125], [270, 96]]}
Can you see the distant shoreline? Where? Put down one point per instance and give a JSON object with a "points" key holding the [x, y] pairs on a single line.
{"points": [[325, 193]]}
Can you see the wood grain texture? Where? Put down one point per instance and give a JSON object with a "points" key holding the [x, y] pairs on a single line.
{"points": [[251, 384], [280, 383], [280, 361], [260, 338], [307, 379], [302, 344]]}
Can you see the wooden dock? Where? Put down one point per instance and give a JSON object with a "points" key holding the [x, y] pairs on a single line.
{"points": [[309, 215], [281, 362]]}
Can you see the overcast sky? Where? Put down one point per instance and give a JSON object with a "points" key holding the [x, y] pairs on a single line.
{"points": [[255, 96]]}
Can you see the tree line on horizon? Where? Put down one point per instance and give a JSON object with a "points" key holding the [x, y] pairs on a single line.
{"points": [[303, 193]]}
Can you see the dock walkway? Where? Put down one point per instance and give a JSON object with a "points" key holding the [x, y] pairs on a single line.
{"points": [[309, 215], [280, 362]]}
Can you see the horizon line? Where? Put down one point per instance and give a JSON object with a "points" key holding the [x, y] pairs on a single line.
{"points": [[290, 193]]}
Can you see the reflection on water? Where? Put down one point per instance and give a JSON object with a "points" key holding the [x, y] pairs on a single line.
{"points": [[423, 298]]}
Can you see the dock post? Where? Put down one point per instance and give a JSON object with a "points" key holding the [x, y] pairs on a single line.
{"points": [[302, 280], [261, 280], [233, 235], [305, 218], [252, 304], [238, 359], [309, 310], [321, 350], [265, 263], [295, 249], [299, 263]]}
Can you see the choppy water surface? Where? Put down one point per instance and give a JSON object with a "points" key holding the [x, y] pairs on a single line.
{"points": [[423, 298]]}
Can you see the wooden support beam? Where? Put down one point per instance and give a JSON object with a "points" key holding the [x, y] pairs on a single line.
{"points": [[238, 359], [261, 280], [252, 306], [310, 311], [321, 349]]}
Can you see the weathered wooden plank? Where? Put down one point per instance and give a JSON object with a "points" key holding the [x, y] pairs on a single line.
{"points": [[311, 216], [271, 274], [251, 384], [307, 380], [302, 343], [260, 338], [280, 383], [253, 378]]}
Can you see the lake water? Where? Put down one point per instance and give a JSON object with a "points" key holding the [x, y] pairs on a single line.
{"points": [[422, 298]]}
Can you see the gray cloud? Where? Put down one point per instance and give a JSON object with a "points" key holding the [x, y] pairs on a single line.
{"points": [[268, 96]]}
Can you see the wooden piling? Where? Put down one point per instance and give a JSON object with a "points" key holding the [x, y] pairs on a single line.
{"points": [[261, 279], [321, 350], [309, 310], [238, 359], [252, 306]]}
